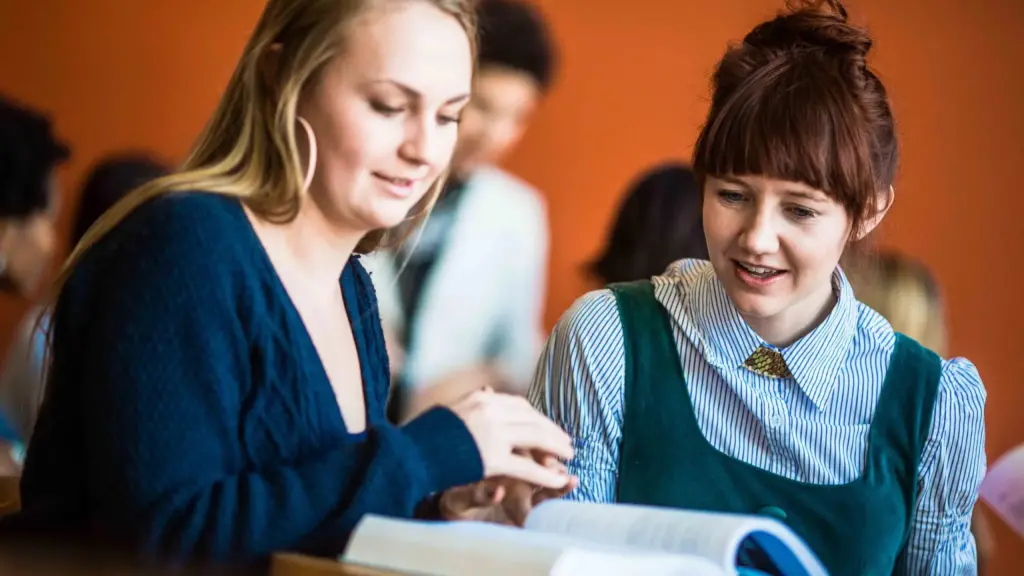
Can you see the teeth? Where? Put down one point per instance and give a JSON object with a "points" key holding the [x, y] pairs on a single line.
{"points": [[398, 181], [758, 270]]}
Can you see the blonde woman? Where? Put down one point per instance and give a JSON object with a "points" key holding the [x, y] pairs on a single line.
{"points": [[218, 373], [907, 295]]}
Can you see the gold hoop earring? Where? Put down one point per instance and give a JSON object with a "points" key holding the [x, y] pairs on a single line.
{"points": [[311, 140]]}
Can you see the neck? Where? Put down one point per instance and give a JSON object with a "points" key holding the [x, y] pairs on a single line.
{"points": [[312, 245], [790, 325]]}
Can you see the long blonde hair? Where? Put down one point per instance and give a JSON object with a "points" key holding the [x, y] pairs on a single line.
{"points": [[904, 292], [249, 149]]}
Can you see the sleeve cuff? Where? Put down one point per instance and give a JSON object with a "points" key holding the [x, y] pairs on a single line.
{"points": [[447, 449]]}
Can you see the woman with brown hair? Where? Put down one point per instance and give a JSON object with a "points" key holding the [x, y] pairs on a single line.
{"points": [[756, 383], [218, 373]]}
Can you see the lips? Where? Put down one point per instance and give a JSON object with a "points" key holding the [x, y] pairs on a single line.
{"points": [[759, 271], [398, 186], [394, 180], [756, 276]]}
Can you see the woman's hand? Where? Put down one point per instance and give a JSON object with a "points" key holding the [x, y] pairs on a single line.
{"points": [[498, 500], [507, 429]]}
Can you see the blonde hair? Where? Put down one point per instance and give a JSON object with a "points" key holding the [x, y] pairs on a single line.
{"points": [[905, 293], [248, 149]]}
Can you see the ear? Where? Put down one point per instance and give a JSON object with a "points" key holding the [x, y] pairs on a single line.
{"points": [[883, 201]]}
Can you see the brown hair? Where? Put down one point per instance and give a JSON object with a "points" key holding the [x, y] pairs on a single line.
{"points": [[796, 100]]}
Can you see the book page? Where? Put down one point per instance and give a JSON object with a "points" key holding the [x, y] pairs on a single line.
{"points": [[472, 548], [715, 536], [1003, 488]]}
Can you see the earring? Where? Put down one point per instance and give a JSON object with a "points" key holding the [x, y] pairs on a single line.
{"points": [[311, 139]]}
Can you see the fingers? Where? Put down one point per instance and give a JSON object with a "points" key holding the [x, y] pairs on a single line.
{"points": [[522, 497], [550, 461], [528, 470], [518, 502], [488, 493], [468, 502], [516, 410], [542, 439], [551, 494]]}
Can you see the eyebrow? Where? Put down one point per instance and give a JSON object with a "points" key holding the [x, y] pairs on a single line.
{"points": [[812, 196], [413, 93], [732, 180]]}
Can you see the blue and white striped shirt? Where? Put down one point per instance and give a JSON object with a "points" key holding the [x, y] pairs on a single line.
{"points": [[811, 428]]}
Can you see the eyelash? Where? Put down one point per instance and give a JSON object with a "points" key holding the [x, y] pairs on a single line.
{"points": [[731, 197], [385, 109], [801, 213], [389, 111]]}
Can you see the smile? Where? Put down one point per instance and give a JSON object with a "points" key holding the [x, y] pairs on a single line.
{"points": [[757, 276], [393, 180], [400, 187]]}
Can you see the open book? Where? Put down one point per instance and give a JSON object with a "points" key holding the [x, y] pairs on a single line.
{"points": [[562, 538]]}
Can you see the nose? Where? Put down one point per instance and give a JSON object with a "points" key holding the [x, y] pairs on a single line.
{"points": [[759, 235], [420, 142]]}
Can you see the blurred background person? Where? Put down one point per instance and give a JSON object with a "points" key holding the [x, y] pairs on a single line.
{"points": [[904, 291], [462, 300], [21, 385], [29, 157], [658, 222]]}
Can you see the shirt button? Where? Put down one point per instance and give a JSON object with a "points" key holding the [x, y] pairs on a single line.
{"points": [[773, 512], [776, 421]]}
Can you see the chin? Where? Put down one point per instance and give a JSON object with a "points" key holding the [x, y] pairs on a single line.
{"points": [[753, 304], [378, 220], [756, 307]]}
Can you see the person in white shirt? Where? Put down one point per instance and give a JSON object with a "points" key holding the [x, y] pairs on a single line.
{"points": [[462, 299]]}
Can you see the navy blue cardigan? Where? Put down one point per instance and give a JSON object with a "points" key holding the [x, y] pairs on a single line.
{"points": [[188, 413]]}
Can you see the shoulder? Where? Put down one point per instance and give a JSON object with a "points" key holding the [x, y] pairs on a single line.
{"points": [[962, 390], [178, 246], [181, 229], [590, 318], [189, 218], [583, 367], [688, 274], [686, 285]]}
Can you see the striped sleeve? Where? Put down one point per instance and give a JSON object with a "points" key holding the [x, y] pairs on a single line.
{"points": [[952, 466], [579, 385]]}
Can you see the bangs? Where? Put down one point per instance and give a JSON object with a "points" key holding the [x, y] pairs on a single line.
{"points": [[795, 121]]}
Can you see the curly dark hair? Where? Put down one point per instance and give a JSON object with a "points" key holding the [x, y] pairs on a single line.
{"points": [[513, 35], [28, 153]]}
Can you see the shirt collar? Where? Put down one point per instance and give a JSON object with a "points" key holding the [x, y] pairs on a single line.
{"points": [[815, 360]]}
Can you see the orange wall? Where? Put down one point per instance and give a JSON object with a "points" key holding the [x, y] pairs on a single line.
{"points": [[633, 91]]}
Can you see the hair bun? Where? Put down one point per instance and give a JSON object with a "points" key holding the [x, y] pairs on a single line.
{"points": [[809, 25]]}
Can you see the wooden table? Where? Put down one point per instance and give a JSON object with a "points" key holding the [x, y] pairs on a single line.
{"points": [[10, 497], [17, 560], [48, 562], [297, 565]]}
